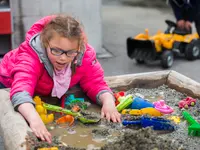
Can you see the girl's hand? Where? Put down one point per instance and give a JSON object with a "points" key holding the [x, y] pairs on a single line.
{"points": [[108, 108], [29, 113], [40, 130]]}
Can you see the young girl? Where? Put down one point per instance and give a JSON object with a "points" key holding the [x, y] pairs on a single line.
{"points": [[53, 58]]}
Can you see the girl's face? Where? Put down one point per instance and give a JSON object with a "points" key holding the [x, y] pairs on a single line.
{"points": [[61, 51]]}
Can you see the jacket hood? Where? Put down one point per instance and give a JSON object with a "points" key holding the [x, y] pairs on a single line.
{"points": [[36, 45], [37, 27]]}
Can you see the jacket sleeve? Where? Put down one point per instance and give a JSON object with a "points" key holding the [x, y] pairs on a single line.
{"points": [[25, 75], [193, 11], [178, 11], [92, 81]]}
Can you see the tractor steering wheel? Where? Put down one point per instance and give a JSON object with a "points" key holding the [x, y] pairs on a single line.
{"points": [[170, 23]]}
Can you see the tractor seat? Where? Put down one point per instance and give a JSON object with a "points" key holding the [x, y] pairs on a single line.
{"points": [[181, 32]]}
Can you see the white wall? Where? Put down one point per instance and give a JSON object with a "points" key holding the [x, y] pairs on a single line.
{"points": [[26, 12]]}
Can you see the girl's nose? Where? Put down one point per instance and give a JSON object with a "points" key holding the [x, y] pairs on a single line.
{"points": [[63, 57]]}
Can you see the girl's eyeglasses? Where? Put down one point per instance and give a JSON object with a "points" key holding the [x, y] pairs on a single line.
{"points": [[59, 52]]}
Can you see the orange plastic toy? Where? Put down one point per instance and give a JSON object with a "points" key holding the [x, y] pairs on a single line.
{"points": [[75, 108], [65, 119], [117, 96]]}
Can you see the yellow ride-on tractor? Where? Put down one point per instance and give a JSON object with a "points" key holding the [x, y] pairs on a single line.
{"points": [[162, 46]]}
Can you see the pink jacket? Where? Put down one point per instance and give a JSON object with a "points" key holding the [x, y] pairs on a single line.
{"points": [[25, 71]]}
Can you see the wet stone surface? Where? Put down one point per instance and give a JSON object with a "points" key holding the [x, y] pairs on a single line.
{"points": [[143, 139], [100, 133]]}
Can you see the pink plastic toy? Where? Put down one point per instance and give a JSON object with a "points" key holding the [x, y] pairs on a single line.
{"points": [[185, 103], [162, 107]]}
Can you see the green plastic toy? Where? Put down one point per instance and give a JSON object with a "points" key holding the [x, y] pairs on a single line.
{"points": [[194, 128], [84, 119], [124, 102]]}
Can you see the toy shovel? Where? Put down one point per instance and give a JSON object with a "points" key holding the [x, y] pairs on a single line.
{"points": [[194, 128], [156, 123], [84, 119]]}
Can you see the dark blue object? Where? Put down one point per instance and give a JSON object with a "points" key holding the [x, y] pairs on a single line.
{"points": [[185, 10], [156, 123], [139, 103]]}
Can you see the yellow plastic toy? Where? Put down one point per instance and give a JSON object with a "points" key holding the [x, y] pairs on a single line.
{"points": [[143, 111], [176, 119], [51, 148], [162, 45], [46, 118]]}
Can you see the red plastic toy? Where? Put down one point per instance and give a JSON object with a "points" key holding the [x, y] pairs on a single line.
{"points": [[185, 103], [118, 95]]}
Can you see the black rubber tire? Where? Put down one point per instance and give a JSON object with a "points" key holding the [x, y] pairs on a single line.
{"points": [[192, 50], [139, 61], [167, 59]]}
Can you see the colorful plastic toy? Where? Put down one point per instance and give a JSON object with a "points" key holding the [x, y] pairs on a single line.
{"points": [[145, 48], [139, 103], [143, 111], [66, 119], [78, 115], [162, 107], [72, 99], [75, 108], [175, 119], [46, 118], [185, 103], [156, 123], [194, 128], [117, 96], [124, 102]]}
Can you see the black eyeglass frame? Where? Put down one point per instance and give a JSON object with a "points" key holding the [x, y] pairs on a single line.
{"points": [[67, 53]]}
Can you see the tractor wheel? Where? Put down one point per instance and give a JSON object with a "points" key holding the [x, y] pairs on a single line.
{"points": [[186, 106], [192, 50], [167, 59], [192, 103], [140, 61]]}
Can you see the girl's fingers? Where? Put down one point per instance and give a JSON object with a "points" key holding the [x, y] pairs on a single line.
{"points": [[41, 136], [118, 117], [36, 133], [102, 114], [47, 136], [108, 116], [114, 117]]}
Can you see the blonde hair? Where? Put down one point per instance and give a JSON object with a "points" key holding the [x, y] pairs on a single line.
{"points": [[65, 26]]}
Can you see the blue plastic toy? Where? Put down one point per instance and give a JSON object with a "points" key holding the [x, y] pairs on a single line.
{"points": [[139, 103], [72, 99], [156, 123]]}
